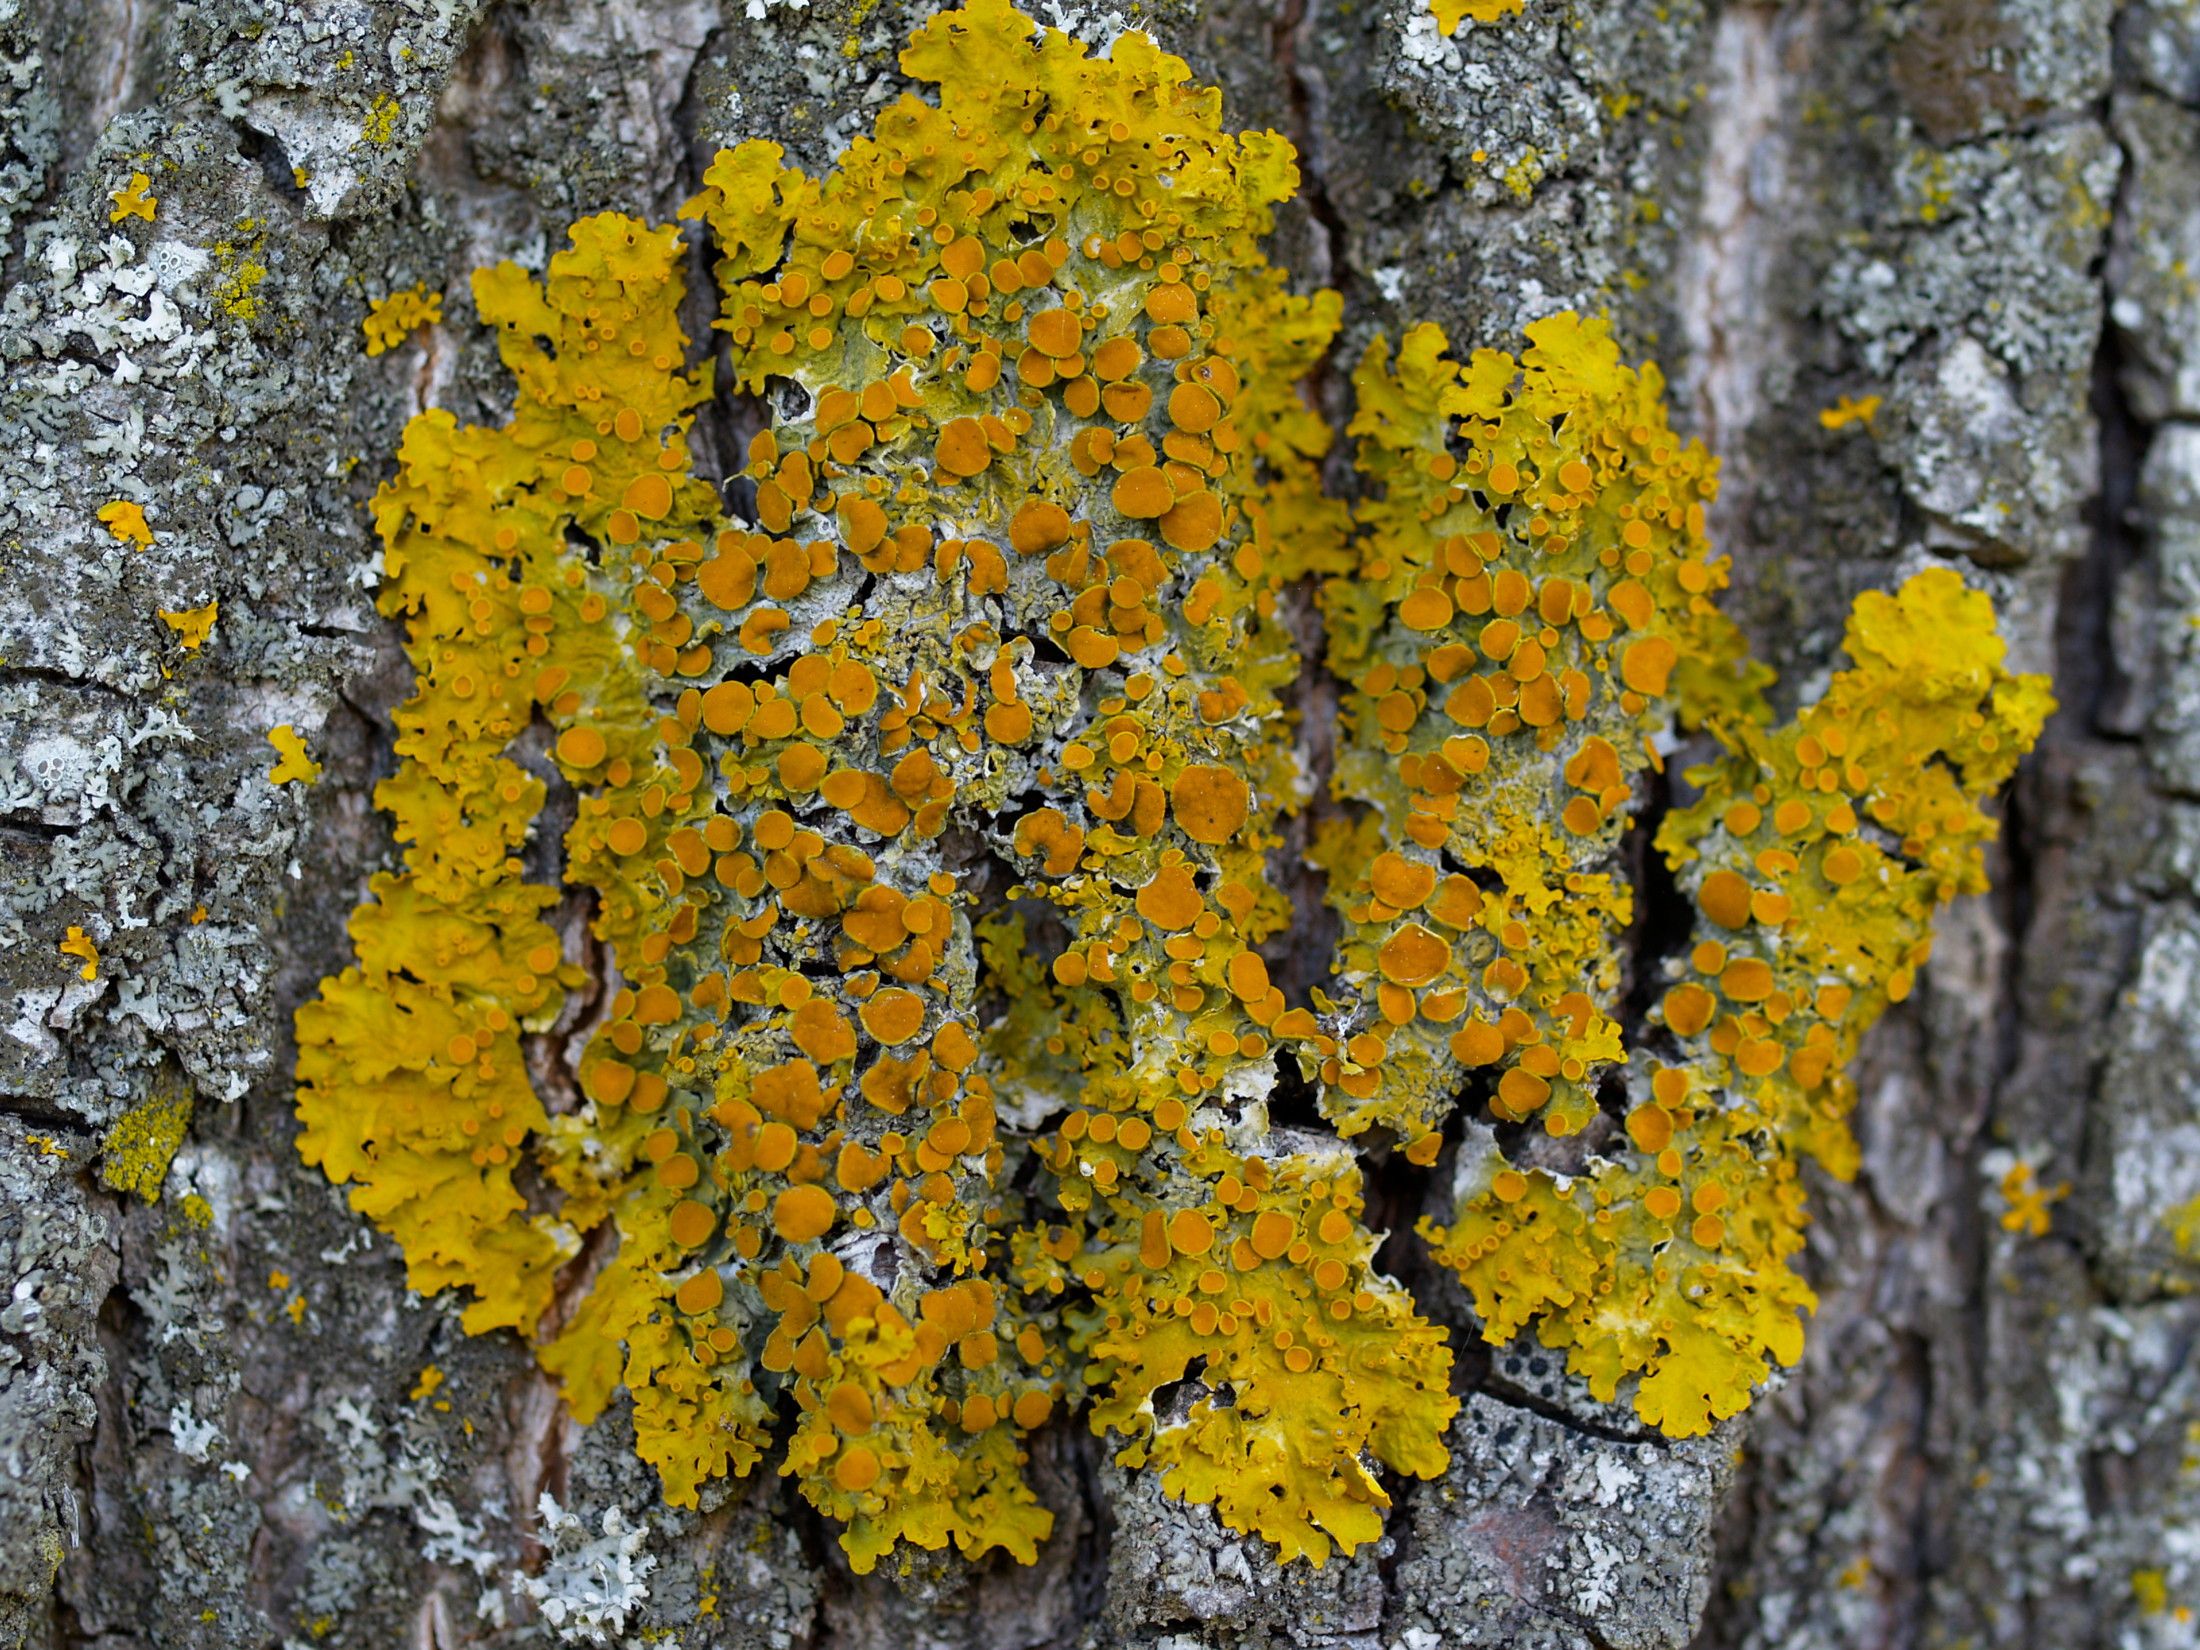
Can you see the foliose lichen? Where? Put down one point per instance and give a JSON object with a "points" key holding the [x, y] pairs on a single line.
{"points": [[1532, 612], [1450, 14], [923, 803], [392, 319]]}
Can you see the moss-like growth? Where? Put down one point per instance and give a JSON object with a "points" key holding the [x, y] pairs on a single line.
{"points": [[137, 1150]]}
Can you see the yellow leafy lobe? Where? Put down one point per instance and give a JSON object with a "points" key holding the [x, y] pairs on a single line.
{"points": [[77, 943], [134, 199], [126, 521], [291, 761], [1449, 14], [391, 320], [192, 625], [1307, 1361], [1849, 410]]}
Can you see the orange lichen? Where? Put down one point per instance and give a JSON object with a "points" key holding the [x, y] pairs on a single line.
{"points": [[788, 1115], [1531, 578], [1817, 855], [1532, 611], [126, 521], [391, 320], [1061, 331]]}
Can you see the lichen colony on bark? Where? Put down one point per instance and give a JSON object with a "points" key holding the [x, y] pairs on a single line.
{"points": [[926, 812]]}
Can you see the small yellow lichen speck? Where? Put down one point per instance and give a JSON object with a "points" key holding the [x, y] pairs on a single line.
{"points": [[2150, 1591], [925, 817], [134, 199], [391, 320], [77, 943], [2183, 1225], [430, 1383], [2026, 1203], [237, 292], [126, 521], [293, 764], [1849, 410], [381, 122], [137, 1150], [192, 625], [1451, 13]]}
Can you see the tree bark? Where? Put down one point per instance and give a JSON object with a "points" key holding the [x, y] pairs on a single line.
{"points": [[1986, 213]]}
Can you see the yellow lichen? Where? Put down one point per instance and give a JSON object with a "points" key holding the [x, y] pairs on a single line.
{"points": [[2183, 1225], [1849, 410], [1533, 589], [77, 943], [237, 292], [292, 763], [126, 521], [923, 809], [2026, 1203], [2150, 1591], [1533, 608], [391, 320], [192, 625], [1093, 291], [134, 199], [135, 1154], [1449, 14], [381, 122]]}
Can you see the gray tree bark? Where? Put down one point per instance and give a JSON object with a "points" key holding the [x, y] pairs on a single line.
{"points": [[1984, 212]]}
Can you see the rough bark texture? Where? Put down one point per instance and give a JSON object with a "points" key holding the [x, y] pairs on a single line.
{"points": [[1986, 212]]}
